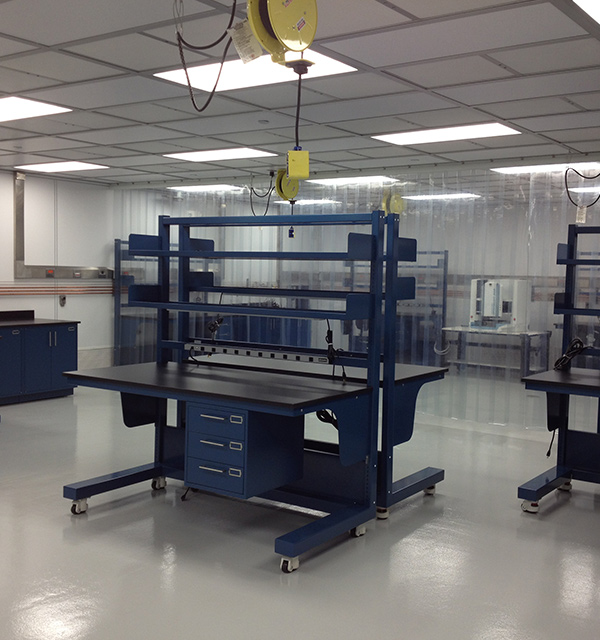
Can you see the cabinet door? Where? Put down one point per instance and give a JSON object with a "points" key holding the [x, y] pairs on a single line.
{"points": [[10, 362], [37, 358], [64, 354]]}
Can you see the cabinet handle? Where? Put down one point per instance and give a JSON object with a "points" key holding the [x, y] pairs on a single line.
{"points": [[205, 415], [213, 444], [16, 332], [49, 338], [211, 469], [55, 339], [236, 446], [236, 473]]}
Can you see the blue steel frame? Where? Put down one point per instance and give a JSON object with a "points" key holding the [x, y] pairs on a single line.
{"points": [[578, 453], [341, 480]]}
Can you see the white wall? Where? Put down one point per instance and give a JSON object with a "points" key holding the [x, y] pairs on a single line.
{"points": [[66, 224]]}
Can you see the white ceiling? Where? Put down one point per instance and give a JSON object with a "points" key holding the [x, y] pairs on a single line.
{"points": [[531, 64]]}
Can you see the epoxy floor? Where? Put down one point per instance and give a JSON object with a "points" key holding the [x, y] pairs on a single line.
{"points": [[465, 564]]}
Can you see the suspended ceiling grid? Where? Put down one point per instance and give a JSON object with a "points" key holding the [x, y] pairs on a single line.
{"points": [[531, 64]]}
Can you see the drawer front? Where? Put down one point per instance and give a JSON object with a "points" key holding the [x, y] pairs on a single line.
{"points": [[216, 421], [214, 475], [210, 447]]}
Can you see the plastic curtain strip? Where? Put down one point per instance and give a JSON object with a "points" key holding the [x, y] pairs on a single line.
{"points": [[509, 233]]}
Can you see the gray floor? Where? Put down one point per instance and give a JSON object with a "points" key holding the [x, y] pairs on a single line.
{"points": [[465, 564]]}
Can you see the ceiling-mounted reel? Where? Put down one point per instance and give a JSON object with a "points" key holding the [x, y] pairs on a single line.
{"points": [[283, 25]]}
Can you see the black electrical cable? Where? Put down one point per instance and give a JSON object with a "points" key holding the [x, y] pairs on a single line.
{"points": [[267, 195], [298, 100], [575, 347], [591, 204], [189, 84], [333, 353], [327, 416], [180, 38]]}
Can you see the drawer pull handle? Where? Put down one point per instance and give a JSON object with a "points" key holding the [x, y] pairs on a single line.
{"points": [[211, 469], [15, 332], [212, 444], [236, 419], [236, 473], [206, 415], [236, 446]]}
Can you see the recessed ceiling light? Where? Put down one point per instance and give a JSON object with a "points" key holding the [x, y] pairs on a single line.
{"points": [[448, 134], [444, 196], [259, 72], [213, 155], [357, 180], [591, 7], [206, 188], [20, 108], [59, 167], [549, 168]]}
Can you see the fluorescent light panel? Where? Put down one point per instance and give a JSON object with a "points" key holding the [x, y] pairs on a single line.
{"points": [[215, 155], [259, 72], [206, 188], [444, 196], [20, 108], [60, 167], [591, 7], [549, 168], [585, 189], [358, 180], [448, 134]]}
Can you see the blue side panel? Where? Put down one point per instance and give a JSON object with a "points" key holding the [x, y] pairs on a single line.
{"points": [[144, 293], [140, 242], [360, 246]]}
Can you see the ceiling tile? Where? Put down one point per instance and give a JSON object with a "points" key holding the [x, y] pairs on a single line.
{"points": [[88, 120], [138, 52], [356, 85], [458, 36], [521, 152], [452, 71], [374, 126], [60, 66], [371, 107], [12, 160], [309, 132], [528, 87], [551, 57], [8, 47], [444, 118], [335, 19], [122, 135], [88, 18], [587, 100], [145, 113], [276, 96], [556, 123], [219, 105], [431, 8], [524, 108], [253, 121], [35, 145], [109, 92], [391, 162], [572, 135], [15, 82], [137, 161]]}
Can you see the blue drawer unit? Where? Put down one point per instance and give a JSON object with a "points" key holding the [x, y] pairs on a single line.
{"points": [[241, 453]]}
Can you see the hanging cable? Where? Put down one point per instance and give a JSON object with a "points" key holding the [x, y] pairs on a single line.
{"points": [[333, 353], [268, 193], [585, 178], [178, 13], [575, 347]]}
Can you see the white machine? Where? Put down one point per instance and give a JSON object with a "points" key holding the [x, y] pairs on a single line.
{"points": [[500, 304]]}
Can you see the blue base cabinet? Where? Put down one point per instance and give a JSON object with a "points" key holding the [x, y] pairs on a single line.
{"points": [[242, 453], [33, 357]]}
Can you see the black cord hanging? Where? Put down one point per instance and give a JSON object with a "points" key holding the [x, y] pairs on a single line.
{"points": [[591, 204]]}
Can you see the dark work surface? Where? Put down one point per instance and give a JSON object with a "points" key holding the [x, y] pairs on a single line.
{"points": [[33, 322], [587, 380], [207, 380]]}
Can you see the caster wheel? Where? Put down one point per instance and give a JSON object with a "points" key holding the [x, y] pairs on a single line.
{"points": [[159, 483], [530, 507], [288, 565], [429, 491], [359, 531], [383, 513], [79, 506], [567, 486]]}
